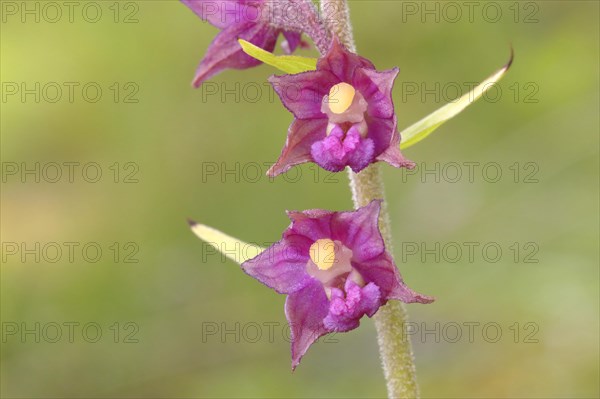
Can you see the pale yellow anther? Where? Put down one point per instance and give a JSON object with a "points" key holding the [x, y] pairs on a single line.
{"points": [[341, 97], [322, 253]]}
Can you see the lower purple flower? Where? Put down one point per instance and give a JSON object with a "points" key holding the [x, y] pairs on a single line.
{"points": [[334, 268]]}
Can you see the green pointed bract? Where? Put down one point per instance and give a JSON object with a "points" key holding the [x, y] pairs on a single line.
{"points": [[423, 128], [289, 64], [236, 250]]}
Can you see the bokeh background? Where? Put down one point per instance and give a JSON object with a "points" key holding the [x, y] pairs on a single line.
{"points": [[544, 120]]}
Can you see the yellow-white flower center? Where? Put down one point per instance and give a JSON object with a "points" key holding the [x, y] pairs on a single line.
{"points": [[323, 253], [330, 263], [341, 97]]}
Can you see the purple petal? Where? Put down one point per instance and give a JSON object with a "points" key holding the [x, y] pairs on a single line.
{"points": [[393, 155], [220, 13], [313, 224], [291, 42], [301, 135], [225, 51], [381, 131], [342, 63], [347, 307], [384, 134], [282, 266], [305, 310], [382, 271], [302, 94], [376, 87], [359, 231]]}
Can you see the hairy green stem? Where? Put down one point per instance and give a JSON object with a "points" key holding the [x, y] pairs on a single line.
{"points": [[394, 347]]}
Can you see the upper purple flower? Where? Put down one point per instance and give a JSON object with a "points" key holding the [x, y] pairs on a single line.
{"points": [[238, 19], [334, 268], [344, 114]]}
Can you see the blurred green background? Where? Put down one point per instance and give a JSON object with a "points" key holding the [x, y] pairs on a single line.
{"points": [[545, 120]]}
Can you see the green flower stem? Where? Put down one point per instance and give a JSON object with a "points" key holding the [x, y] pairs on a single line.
{"points": [[394, 347]]}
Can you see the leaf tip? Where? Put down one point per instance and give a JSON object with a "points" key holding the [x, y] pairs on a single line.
{"points": [[511, 59]]}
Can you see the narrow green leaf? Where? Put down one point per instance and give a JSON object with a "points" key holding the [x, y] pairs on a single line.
{"points": [[290, 64], [236, 250], [423, 128]]}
